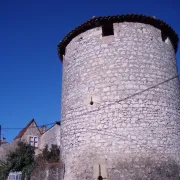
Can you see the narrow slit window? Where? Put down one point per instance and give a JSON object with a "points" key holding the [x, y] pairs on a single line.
{"points": [[163, 36], [107, 29]]}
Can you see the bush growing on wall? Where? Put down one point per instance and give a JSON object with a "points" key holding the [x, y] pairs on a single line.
{"points": [[49, 166], [51, 155], [21, 159]]}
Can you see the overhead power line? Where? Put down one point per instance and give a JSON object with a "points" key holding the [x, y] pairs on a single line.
{"points": [[152, 87], [29, 127], [123, 99], [106, 105]]}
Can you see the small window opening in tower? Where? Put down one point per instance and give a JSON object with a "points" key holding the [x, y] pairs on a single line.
{"points": [[163, 36], [64, 170], [100, 177], [81, 38], [91, 102], [107, 29]]}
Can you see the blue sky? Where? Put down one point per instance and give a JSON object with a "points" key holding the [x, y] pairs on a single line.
{"points": [[30, 71]]}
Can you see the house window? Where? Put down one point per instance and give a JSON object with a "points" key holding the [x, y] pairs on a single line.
{"points": [[15, 176], [33, 141], [107, 29]]}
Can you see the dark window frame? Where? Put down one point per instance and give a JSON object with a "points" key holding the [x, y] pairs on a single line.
{"points": [[107, 29], [164, 36]]}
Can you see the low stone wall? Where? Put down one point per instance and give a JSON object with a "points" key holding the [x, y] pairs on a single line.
{"points": [[53, 171], [6, 148], [144, 168]]}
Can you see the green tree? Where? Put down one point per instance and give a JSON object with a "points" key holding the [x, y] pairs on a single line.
{"points": [[21, 159]]}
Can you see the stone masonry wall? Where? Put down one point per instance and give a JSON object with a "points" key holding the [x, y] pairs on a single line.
{"points": [[32, 131], [6, 148], [47, 172], [52, 136], [110, 131]]}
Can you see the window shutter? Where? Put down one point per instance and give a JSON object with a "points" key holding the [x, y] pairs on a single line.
{"points": [[36, 141]]}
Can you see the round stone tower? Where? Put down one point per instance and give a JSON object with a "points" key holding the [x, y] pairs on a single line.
{"points": [[120, 100]]}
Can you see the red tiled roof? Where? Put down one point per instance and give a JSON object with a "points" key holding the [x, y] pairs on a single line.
{"points": [[21, 133]]}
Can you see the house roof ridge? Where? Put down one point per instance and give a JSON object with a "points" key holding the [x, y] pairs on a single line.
{"points": [[55, 123], [21, 133]]}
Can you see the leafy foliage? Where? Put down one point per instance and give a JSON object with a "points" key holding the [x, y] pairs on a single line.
{"points": [[4, 170], [21, 159], [51, 155]]}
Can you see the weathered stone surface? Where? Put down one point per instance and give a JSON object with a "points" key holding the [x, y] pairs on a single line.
{"points": [[47, 172], [6, 148], [119, 125], [51, 136]]}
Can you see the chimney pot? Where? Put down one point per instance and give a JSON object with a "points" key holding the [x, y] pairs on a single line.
{"points": [[43, 129]]}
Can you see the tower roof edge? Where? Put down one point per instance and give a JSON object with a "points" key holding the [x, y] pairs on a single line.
{"points": [[98, 21]]}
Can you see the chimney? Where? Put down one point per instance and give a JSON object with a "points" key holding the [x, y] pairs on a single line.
{"points": [[3, 141], [43, 129]]}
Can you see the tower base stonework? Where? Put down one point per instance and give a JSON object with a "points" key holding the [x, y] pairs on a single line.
{"points": [[120, 100], [121, 167]]}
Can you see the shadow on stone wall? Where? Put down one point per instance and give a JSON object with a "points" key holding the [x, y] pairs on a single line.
{"points": [[52, 171], [145, 169], [136, 169]]}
